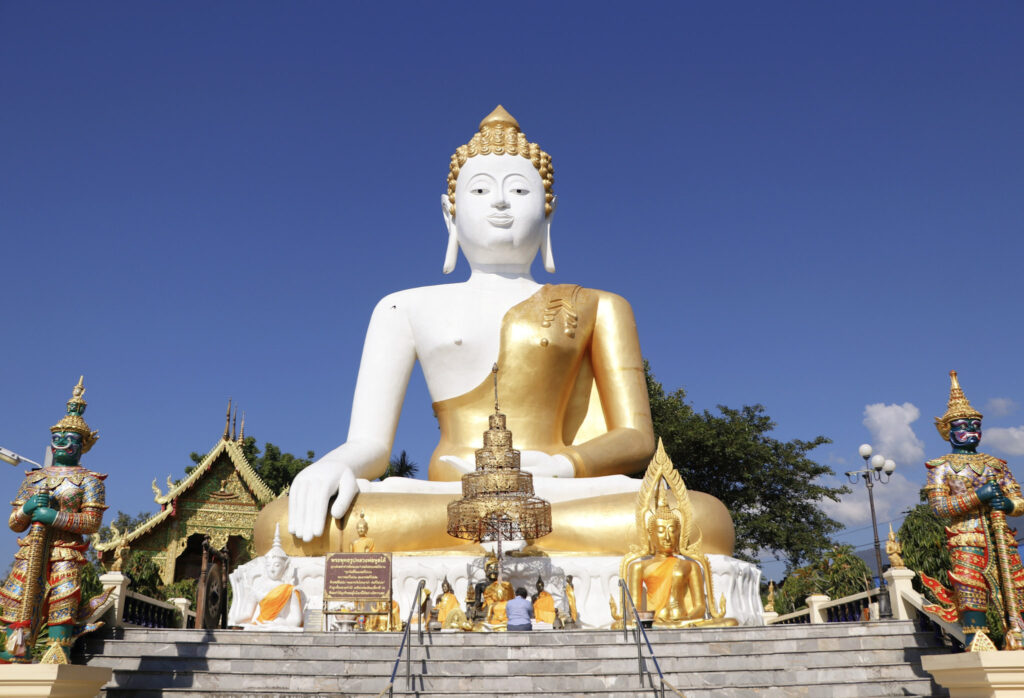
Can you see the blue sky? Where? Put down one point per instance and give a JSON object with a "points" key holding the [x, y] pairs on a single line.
{"points": [[813, 206]]}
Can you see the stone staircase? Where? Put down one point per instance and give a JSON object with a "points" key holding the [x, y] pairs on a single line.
{"points": [[838, 659]]}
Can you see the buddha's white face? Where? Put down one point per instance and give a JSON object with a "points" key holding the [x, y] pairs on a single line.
{"points": [[276, 566], [499, 210]]}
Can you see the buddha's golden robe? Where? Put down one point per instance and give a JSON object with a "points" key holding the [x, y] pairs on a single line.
{"points": [[658, 579], [544, 608], [361, 545], [496, 595], [572, 383]]}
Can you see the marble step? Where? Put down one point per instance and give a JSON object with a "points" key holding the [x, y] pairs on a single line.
{"points": [[527, 663], [594, 678], [307, 647]]}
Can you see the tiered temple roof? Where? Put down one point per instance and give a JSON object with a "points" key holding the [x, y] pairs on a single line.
{"points": [[220, 499]]}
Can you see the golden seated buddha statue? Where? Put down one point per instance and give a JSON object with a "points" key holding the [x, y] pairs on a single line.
{"points": [[669, 575]]}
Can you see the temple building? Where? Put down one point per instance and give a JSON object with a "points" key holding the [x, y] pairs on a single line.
{"points": [[220, 498]]}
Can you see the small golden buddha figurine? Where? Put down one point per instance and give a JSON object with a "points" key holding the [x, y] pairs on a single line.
{"points": [[362, 544], [382, 621], [894, 549], [543, 604], [449, 613], [570, 597], [669, 565], [496, 595], [769, 606]]}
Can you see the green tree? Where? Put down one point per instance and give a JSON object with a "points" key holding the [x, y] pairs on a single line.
{"points": [[923, 538], [796, 587], [275, 468], [843, 572], [144, 574], [400, 466], [836, 573], [772, 489]]}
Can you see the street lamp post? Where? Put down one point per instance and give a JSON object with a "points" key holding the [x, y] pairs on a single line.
{"points": [[876, 467]]}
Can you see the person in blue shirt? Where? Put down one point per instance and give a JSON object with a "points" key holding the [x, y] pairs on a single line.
{"points": [[519, 611]]}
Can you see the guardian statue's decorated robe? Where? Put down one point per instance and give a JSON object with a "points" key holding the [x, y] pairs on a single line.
{"points": [[57, 505], [972, 493], [573, 380]]}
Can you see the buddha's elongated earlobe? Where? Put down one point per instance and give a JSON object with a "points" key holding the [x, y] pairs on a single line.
{"points": [[545, 250], [451, 255], [545, 245]]}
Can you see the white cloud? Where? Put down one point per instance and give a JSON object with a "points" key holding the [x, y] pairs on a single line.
{"points": [[891, 433], [1008, 440], [1000, 407], [891, 500], [836, 459]]}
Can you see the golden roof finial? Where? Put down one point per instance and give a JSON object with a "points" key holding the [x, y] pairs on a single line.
{"points": [[958, 407], [227, 422], [234, 424], [241, 430]]}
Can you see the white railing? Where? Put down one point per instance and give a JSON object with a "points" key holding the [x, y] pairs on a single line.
{"points": [[821, 609], [905, 601], [133, 610]]}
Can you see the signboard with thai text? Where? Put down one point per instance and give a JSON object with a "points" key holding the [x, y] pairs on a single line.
{"points": [[357, 577]]}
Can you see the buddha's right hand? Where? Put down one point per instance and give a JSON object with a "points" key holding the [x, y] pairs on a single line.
{"points": [[310, 493]]}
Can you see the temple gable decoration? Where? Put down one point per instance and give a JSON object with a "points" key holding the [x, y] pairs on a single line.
{"points": [[219, 499]]}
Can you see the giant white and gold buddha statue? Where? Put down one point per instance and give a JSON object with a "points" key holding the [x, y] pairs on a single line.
{"points": [[570, 369]]}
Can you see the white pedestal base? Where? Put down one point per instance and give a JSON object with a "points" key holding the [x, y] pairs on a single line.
{"points": [[978, 674], [55, 680], [595, 578]]}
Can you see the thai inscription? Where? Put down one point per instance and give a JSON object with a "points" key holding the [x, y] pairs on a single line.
{"points": [[357, 576]]}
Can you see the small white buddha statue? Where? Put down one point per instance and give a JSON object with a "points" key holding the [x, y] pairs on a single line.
{"points": [[571, 374], [275, 600]]}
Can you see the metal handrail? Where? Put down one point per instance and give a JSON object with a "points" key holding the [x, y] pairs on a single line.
{"points": [[639, 650], [405, 637]]}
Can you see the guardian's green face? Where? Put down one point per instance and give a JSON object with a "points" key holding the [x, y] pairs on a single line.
{"points": [[66, 447]]}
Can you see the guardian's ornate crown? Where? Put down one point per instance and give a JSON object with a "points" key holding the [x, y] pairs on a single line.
{"points": [[73, 420], [957, 408]]}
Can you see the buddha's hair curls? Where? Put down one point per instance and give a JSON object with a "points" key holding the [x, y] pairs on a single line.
{"points": [[499, 134]]}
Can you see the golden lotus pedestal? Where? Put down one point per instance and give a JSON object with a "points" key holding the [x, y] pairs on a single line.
{"points": [[56, 680], [978, 674]]}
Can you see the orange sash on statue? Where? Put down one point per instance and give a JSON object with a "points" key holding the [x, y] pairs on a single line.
{"points": [[658, 580], [544, 608], [272, 604]]}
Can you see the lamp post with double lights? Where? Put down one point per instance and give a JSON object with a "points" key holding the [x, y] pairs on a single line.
{"points": [[876, 467]]}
